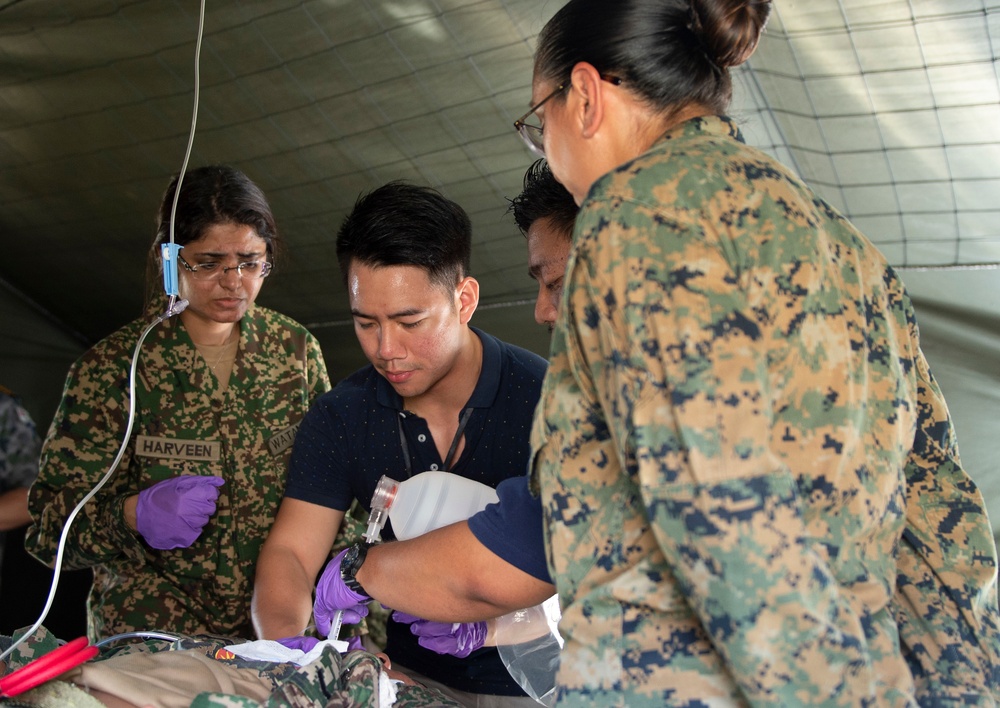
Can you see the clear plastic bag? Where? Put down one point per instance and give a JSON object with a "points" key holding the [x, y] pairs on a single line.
{"points": [[529, 643]]}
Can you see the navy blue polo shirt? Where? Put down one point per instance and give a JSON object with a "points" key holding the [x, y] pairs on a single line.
{"points": [[351, 437]]}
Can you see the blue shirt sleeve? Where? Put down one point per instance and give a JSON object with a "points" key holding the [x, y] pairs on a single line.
{"points": [[512, 528]]}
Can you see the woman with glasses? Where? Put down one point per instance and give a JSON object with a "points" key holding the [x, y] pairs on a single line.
{"points": [[739, 443], [173, 536]]}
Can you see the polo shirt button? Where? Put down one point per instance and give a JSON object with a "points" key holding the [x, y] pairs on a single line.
{"points": [[434, 466], [422, 437]]}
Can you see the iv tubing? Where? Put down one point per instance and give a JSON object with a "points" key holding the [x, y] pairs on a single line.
{"points": [[138, 635], [194, 123], [174, 306], [57, 567]]}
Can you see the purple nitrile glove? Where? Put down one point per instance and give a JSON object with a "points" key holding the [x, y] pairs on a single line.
{"points": [[458, 639], [354, 644], [172, 513], [303, 644], [332, 595]]}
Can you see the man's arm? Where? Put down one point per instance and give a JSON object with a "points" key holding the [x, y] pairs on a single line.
{"points": [[14, 509], [447, 575], [295, 550]]}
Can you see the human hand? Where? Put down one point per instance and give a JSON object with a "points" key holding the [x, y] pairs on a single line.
{"points": [[458, 639], [172, 513], [332, 595], [303, 644]]}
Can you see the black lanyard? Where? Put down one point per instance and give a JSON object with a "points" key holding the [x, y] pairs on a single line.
{"points": [[466, 414]]}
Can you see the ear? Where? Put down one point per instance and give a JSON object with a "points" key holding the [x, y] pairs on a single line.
{"points": [[467, 294], [588, 87]]}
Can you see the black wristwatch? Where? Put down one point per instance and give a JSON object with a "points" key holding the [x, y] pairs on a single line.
{"points": [[351, 563]]}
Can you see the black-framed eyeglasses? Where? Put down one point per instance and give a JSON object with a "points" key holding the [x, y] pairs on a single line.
{"points": [[532, 134], [213, 269]]}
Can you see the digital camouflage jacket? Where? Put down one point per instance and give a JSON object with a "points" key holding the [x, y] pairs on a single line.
{"points": [[19, 448], [184, 426], [19, 444], [334, 680], [740, 448]]}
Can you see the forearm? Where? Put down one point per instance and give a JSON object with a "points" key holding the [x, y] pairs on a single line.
{"points": [[88, 430], [282, 598], [99, 532], [128, 511], [447, 576], [14, 509]]}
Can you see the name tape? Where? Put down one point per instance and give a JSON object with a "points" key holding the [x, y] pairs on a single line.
{"points": [[178, 449], [283, 440]]}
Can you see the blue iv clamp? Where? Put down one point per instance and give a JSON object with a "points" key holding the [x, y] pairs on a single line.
{"points": [[169, 252]]}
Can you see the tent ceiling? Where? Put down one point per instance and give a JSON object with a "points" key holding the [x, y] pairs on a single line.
{"points": [[889, 108]]}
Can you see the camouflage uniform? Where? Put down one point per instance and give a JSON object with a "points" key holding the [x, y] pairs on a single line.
{"points": [[184, 426], [332, 681], [19, 444], [736, 426], [19, 448]]}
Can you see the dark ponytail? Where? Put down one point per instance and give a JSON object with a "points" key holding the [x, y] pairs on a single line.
{"points": [[672, 53], [729, 29]]}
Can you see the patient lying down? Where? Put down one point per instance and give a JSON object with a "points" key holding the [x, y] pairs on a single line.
{"points": [[202, 671]]}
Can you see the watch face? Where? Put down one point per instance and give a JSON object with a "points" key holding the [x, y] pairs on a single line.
{"points": [[353, 559], [350, 560]]}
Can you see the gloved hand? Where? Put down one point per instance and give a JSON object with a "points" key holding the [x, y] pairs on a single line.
{"points": [[172, 513], [455, 638], [303, 644], [333, 595]]}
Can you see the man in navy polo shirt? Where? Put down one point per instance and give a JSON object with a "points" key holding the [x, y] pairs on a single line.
{"points": [[438, 394], [495, 562]]}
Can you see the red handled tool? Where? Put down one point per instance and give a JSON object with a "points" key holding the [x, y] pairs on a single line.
{"points": [[47, 667]]}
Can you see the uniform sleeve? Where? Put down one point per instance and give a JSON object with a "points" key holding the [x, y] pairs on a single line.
{"points": [[84, 439], [946, 596], [319, 379], [19, 446], [673, 349]]}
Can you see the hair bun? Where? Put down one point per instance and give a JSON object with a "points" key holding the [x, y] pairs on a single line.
{"points": [[729, 30]]}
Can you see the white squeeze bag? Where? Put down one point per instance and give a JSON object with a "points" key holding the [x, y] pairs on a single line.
{"points": [[425, 502]]}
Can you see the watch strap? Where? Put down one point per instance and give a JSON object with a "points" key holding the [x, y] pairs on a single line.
{"points": [[350, 565]]}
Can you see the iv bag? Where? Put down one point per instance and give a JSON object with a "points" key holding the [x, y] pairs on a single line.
{"points": [[529, 643]]}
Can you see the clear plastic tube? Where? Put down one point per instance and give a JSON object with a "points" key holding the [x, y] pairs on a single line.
{"points": [[382, 499], [336, 622]]}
